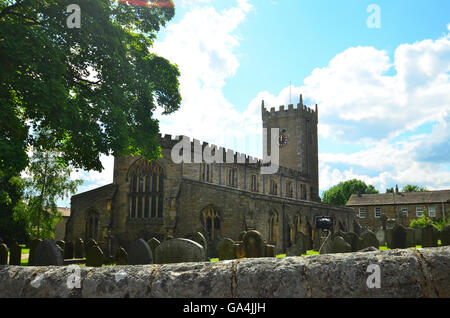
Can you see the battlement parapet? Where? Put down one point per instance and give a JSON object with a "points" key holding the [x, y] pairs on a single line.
{"points": [[283, 112]]}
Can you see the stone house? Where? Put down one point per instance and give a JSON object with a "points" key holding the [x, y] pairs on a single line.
{"points": [[402, 206], [221, 198]]}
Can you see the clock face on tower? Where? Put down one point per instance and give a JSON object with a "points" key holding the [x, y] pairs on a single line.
{"points": [[282, 140]]}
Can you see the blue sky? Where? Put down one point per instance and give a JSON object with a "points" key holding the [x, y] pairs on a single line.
{"points": [[383, 93]]}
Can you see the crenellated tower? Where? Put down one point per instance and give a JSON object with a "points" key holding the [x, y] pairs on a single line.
{"points": [[298, 141]]}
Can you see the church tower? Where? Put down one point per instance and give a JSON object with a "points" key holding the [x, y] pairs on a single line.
{"points": [[297, 142]]}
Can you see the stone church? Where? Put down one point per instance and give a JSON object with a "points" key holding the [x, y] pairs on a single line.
{"points": [[221, 199]]}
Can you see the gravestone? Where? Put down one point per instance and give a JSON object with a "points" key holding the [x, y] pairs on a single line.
{"points": [[140, 253], [225, 249], [410, 237], [352, 239], [368, 249], [68, 250], [94, 256], [269, 250], [168, 237], [253, 244], [367, 239], [428, 236], [79, 248], [299, 246], [3, 254], [153, 243], [339, 245], [381, 237], [48, 253], [418, 236], [200, 239], [34, 243], [389, 238], [445, 236], [241, 236], [239, 251], [15, 254], [179, 250], [121, 257], [398, 236], [436, 234]]}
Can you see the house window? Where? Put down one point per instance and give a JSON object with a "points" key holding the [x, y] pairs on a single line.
{"points": [[273, 187], [419, 211], [377, 213], [432, 211], [146, 190], [205, 172], [289, 190], [253, 184], [404, 212], [231, 177], [362, 213]]}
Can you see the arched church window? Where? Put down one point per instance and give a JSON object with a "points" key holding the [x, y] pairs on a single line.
{"points": [[91, 225], [273, 226], [211, 222], [146, 190]]}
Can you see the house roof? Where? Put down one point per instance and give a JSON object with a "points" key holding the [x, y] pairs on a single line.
{"points": [[437, 196]]}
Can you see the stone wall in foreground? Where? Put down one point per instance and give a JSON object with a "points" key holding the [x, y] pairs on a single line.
{"points": [[403, 273]]}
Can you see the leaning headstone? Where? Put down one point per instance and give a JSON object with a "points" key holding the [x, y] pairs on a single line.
{"points": [[445, 236], [34, 243], [79, 248], [15, 254], [253, 244], [225, 249], [140, 253], [68, 250], [153, 243], [366, 239], [398, 236], [200, 239], [94, 256], [352, 239], [410, 237], [121, 257], [179, 250], [3, 254], [339, 245], [428, 237], [48, 253]]}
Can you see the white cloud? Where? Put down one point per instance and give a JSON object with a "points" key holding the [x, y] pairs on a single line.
{"points": [[203, 45]]}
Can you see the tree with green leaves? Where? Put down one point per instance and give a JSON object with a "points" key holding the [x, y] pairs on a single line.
{"points": [[413, 188], [81, 92], [48, 181], [93, 89], [340, 193]]}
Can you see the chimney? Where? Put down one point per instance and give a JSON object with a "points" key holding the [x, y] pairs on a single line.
{"points": [[396, 188]]}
